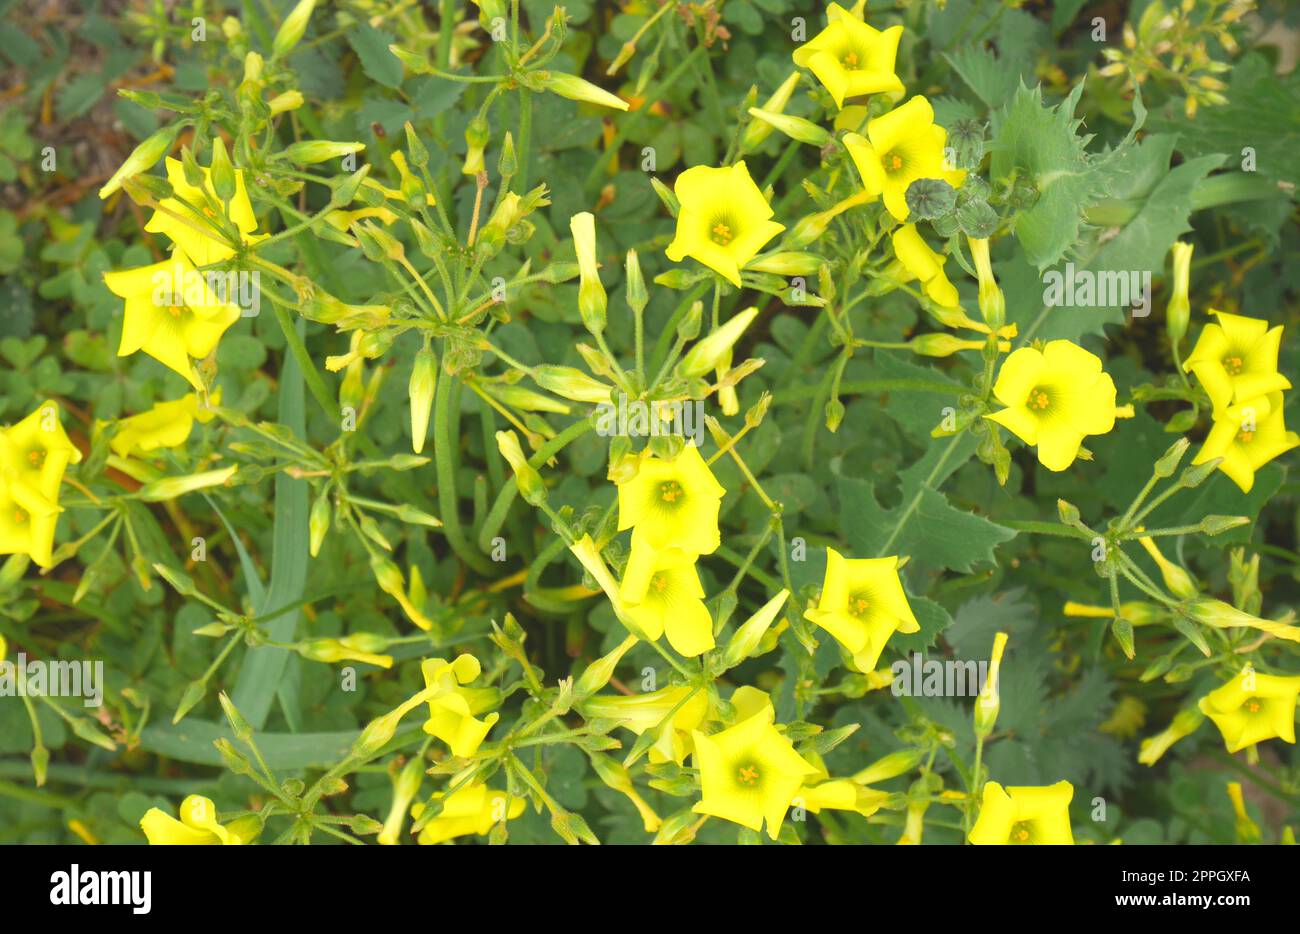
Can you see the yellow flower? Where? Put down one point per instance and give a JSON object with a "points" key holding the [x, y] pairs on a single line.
{"points": [[641, 712], [1247, 436], [1029, 815], [851, 58], [452, 707], [37, 451], [917, 261], [724, 219], [166, 425], [34, 454], [1054, 397], [862, 604], [1236, 359], [189, 219], [749, 772], [470, 810], [171, 314], [1252, 708], [899, 148], [673, 504], [662, 594], [197, 826]]}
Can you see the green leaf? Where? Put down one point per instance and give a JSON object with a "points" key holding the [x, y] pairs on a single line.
{"points": [[191, 741], [1040, 143], [377, 62], [1158, 214], [263, 668]]}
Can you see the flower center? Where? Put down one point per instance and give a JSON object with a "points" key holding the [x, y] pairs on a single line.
{"points": [[748, 775], [1020, 832], [19, 516], [174, 311], [659, 583], [1038, 399], [36, 457], [850, 61], [1245, 437], [1253, 705], [721, 234], [859, 604], [1233, 365], [670, 491], [891, 162]]}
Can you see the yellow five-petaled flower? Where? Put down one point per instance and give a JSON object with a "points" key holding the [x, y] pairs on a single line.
{"points": [[1253, 707], [673, 504], [862, 604], [900, 147], [724, 220], [1024, 815], [34, 453], [1235, 359], [750, 772], [1054, 398], [851, 58]]}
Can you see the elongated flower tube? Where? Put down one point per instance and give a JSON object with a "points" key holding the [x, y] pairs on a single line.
{"points": [[851, 58], [421, 389], [715, 349], [1178, 581], [150, 150], [992, 301], [917, 261], [406, 785], [1252, 708], [1221, 615], [1184, 724], [989, 702], [1235, 359], [862, 604], [1054, 397], [900, 147], [724, 220], [1024, 815]]}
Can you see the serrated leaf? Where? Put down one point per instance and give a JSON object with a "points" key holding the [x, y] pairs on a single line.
{"points": [[371, 46]]}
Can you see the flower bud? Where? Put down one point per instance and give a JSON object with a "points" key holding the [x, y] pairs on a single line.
{"points": [[759, 130], [940, 344], [291, 30], [142, 157], [1178, 311], [282, 103], [591, 293], [750, 633], [405, 787], [706, 354], [993, 304], [571, 383], [1178, 581], [309, 152], [637, 297], [318, 522], [577, 89], [424, 382], [221, 171], [172, 487], [601, 670], [476, 140], [530, 482], [989, 701], [891, 766], [786, 263], [797, 128]]}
